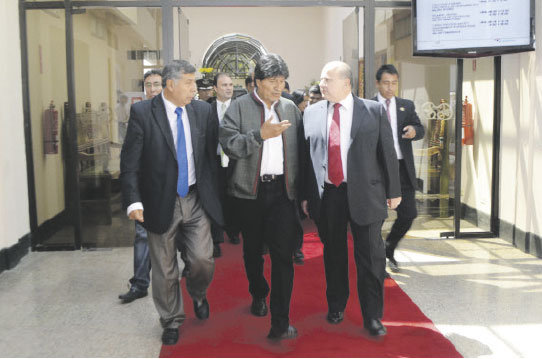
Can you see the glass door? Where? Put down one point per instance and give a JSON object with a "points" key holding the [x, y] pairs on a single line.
{"points": [[113, 48], [47, 79]]}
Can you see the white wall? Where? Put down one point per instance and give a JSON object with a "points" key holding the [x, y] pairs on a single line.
{"points": [[305, 37], [478, 85], [521, 139], [14, 220]]}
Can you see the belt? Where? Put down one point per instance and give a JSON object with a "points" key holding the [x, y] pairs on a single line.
{"points": [[270, 178]]}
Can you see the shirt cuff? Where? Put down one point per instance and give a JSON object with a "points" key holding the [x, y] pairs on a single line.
{"points": [[133, 207]]}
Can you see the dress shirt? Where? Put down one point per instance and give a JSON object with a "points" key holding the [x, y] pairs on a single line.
{"points": [[346, 112], [219, 109], [172, 119], [393, 123], [272, 153]]}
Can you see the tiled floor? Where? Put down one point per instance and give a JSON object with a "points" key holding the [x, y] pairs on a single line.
{"points": [[483, 294]]}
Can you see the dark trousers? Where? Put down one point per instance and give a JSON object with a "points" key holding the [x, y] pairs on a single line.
{"points": [[369, 254], [270, 219], [142, 259], [231, 223], [406, 211]]}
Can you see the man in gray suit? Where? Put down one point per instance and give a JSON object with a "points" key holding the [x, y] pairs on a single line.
{"points": [[351, 172], [168, 170], [260, 133]]}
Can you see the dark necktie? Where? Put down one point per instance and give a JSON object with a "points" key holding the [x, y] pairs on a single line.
{"points": [[335, 165], [388, 109], [182, 158]]}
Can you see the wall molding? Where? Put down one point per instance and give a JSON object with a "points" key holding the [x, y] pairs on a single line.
{"points": [[11, 256]]}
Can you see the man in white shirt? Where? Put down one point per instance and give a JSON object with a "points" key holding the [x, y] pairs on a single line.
{"points": [[223, 86], [351, 173], [406, 127], [262, 132]]}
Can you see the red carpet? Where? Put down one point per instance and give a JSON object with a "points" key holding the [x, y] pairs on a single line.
{"points": [[231, 331]]}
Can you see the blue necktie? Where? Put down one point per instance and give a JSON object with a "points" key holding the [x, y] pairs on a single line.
{"points": [[182, 159]]}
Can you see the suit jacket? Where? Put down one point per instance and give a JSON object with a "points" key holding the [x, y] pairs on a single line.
{"points": [[372, 166], [149, 168], [406, 115]]}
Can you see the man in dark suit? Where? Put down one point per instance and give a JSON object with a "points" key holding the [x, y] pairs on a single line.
{"points": [[406, 127], [168, 172], [223, 86], [351, 173]]}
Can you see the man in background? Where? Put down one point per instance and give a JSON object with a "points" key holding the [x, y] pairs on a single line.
{"points": [[205, 89], [223, 86], [314, 94], [139, 283], [406, 127]]}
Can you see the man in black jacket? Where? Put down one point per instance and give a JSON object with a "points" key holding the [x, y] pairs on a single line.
{"points": [[406, 127], [168, 172]]}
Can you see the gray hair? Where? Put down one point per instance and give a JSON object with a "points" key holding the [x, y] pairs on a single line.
{"points": [[343, 69], [175, 69]]}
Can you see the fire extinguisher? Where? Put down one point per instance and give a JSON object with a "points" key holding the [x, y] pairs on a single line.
{"points": [[50, 130], [468, 130]]}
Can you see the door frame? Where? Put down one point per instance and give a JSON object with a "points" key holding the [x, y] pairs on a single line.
{"points": [[74, 7]]}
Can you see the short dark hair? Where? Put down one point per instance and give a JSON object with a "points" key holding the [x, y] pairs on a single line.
{"points": [[315, 89], [175, 69], [298, 96], [152, 72], [287, 85], [270, 65], [248, 80], [388, 69], [218, 76]]}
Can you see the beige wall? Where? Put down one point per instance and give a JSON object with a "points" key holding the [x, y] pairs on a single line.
{"points": [[14, 221], [521, 152], [305, 37], [478, 86]]}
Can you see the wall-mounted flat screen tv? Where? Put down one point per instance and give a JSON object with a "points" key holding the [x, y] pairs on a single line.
{"points": [[472, 28]]}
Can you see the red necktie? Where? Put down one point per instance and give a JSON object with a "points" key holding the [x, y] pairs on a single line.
{"points": [[335, 164], [388, 109]]}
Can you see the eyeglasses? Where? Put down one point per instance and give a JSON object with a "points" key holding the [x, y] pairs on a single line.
{"points": [[153, 84]]}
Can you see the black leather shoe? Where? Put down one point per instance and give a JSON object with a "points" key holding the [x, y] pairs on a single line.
{"points": [[375, 328], [289, 333], [299, 257], [390, 251], [217, 252], [132, 295], [234, 239], [335, 317], [202, 310], [258, 307], [170, 336]]}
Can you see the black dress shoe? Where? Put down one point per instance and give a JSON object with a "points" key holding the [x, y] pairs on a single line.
{"points": [[390, 251], [234, 239], [170, 336], [335, 317], [202, 309], [258, 307], [289, 333], [375, 328], [132, 295], [217, 252]]}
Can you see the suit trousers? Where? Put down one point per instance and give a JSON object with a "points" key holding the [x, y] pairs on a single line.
{"points": [[142, 259], [193, 226], [406, 211], [231, 225], [270, 219], [369, 254]]}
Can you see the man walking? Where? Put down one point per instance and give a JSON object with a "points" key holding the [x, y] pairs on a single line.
{"points": [[351, 172], [168, 173], [406, 127]]}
